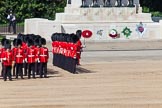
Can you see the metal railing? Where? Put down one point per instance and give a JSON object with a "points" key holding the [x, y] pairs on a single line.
{"points": [[4, 29]]}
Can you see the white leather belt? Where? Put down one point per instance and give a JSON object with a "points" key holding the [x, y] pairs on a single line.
{"points": [[19, 56], [30, 55], [43, 55]]}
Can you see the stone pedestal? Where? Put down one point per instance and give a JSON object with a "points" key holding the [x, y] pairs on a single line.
{"points": [[99, 20], [113, 14]]}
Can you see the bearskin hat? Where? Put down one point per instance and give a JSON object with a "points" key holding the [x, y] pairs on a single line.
{"points": [[3, 41], [30, 42], [18, 42], [19, 36], [26, 38], [68, 38], [53, 37], [63, 37], [31, 36], [14, 42], [57, 37], [36, 42], [74, 38], [79, 33], [7, 44], [37, 36], [42, 41]]}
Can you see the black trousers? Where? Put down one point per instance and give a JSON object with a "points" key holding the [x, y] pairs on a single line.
{"points": [[19, 70], [31, 67], [119, 2], [69, 1], [13, 24], [37, 65], [72, 65], [14, 68], [2, 70], [7, 72], [25, 66], [53, 61], [43, 69]]}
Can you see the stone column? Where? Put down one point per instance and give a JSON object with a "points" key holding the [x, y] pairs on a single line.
{"points": [[76, 3], [136, 2], [68, 3], [138, 8], [124, 3], [113, 2]]}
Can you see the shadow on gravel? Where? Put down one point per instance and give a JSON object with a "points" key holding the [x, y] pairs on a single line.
{"points": [[81, 70], [53, 73]]}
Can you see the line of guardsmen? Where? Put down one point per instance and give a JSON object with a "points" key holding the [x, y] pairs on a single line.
{"points": [[28, 56], [66, 50]]}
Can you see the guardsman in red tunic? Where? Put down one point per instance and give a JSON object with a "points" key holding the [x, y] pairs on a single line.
{"points": [[72, 55], [2, 50], [79, 49], [54, 50], [30, 57], [14, 49], [43, 57], [37, 51], [79, 46], [55, 46], [7, 59], [25, 46], [19, 59], [1, 59]]}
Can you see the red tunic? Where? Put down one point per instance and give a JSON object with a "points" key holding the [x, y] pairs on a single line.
{"points": [[24, 46], [37, 52], [31, 55], [7, 58], [43, 56], [73, 50], [1, 51], [61, 44], [14, 49], [20, 56], [58, 47], [64, 46], [53, 47], [79, 48], [68, 47]]}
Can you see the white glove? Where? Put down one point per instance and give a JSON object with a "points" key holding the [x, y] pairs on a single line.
{"points": [[4, 59], [25, 60], [38, 60]]}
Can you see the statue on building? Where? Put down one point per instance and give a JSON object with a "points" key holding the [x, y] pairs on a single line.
{"points": [[95, 3], [83, 3], [69, 1], [131, 3], [106, 3], [119, 3]]}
